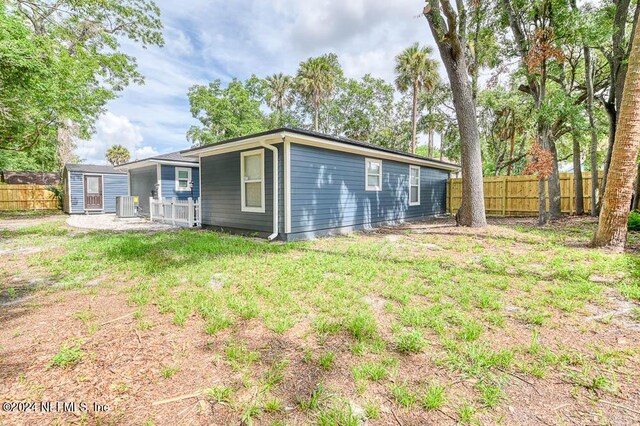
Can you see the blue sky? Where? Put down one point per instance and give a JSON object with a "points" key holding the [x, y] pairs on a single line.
{"points": [[206, 40]]}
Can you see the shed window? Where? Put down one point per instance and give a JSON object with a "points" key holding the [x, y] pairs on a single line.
{"points": [[183, 177], [414, 185], [252, 175], [93, 185], [373, 174]]}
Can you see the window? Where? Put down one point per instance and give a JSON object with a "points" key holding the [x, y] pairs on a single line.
{"points": [[373, 174], [252, 175], [93, 185], [414, 185], [183, 177]]}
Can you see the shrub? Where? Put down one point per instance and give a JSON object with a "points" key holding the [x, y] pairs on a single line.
{"points": [[58, 193], [634, 220]]}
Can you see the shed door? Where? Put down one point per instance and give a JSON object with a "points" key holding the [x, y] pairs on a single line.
{"points": [[93, 192]]}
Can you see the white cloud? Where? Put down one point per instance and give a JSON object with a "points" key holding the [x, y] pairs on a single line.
{"points": [[112, 130], [210, 39]]}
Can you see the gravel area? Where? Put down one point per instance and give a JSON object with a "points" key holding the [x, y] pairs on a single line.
{"points": [[109, 222]]}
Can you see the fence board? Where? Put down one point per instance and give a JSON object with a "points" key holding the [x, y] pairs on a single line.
{"points": [[518, 195], [27, 197]]}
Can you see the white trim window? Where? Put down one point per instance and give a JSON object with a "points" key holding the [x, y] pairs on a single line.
{"points": [[373, 174], [252, 179], [183, 177], [414, 185]]}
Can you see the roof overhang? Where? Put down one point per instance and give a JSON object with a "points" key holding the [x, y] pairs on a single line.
{"points": [[151, 162], [273, 138]]}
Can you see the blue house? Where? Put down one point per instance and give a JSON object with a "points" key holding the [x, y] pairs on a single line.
{"points": [[295, 184], [164, 176], [92, 188]]}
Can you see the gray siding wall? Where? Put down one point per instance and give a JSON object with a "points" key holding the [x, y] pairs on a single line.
{"points": [[220, 193], [328, 192], [142, 182], [76, 192], [114, 185], [169, 183]]}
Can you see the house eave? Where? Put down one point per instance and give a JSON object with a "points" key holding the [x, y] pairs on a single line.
{"points": [[277, 137]]}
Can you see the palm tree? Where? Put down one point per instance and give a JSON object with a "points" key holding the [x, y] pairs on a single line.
{"points": [[279, 93], [612, 226], [317, 79], [416, 71], [117, 154]]}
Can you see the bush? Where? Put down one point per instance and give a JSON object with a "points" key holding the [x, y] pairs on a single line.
{"points": [[634, 220], [58, 192]]}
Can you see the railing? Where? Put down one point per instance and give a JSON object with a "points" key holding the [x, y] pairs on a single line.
{"points": [[174, 211]]}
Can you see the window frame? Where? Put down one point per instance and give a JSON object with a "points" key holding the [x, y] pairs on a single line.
{"points": [[411, 168], [243, 182], [367, 187], [177, 175]]}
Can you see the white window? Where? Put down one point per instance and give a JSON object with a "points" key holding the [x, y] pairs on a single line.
{"points": [[183, 177], [252, 176], [93, 185], [373, 174], [414, 185]]}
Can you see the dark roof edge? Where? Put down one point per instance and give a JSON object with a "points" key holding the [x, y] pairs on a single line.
{"points": [[324, 136], [158, 159], [92, 168]]}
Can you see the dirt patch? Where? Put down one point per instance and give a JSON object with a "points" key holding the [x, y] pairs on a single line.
{"points": [[109, 222]]}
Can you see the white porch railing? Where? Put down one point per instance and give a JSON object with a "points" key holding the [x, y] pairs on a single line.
{"points": [[174, 211]]}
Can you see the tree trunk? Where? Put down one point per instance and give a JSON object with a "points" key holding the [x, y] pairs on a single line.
{"points": [[472, 211], [577, 176], [542, 202], [613, 125], [512, 147], [636, 197], [555, 211], [618, 67], [430, 143], [593, 148], [612, 227], [316, 117], [414, 119], [451, 45]]}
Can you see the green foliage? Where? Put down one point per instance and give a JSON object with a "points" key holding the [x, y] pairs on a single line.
{"points": [[433, 397], [58, 192], [634, 221], [227, 112], [411, 342], [219, 393], [67, 356], [326, 360], [61, 62], [316, 81], [117, 154]]}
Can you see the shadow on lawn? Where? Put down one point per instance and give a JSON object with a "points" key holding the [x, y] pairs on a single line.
{"points": [[161, 251]]}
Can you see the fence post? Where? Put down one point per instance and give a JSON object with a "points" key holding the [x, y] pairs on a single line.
{"points": [[190, 215], [504, 196], [173, 211]]}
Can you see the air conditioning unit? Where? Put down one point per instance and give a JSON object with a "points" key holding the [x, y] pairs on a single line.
{"points": [[126, 206]]}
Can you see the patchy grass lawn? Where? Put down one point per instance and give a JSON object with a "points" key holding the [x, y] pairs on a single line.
{"points": [[423, 324]]}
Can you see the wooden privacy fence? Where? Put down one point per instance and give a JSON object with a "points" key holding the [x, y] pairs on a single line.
{"points": [[27, 197], [518, 195]]}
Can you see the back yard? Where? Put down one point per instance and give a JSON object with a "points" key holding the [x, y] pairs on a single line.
{"points": [[424, 324]]}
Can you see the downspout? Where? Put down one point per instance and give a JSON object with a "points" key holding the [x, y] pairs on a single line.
{"points": [[274, 150]]}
